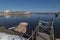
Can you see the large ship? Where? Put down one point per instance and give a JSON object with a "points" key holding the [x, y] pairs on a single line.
{"points": [[7, 12]]}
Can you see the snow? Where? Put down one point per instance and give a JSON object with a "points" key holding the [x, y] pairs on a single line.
{"points": [[4, 36]]}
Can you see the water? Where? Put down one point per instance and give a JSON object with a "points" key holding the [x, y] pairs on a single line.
{"points": [[32, 21]]}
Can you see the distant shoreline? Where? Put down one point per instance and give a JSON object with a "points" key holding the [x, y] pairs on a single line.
{"points": [[43, 13]]}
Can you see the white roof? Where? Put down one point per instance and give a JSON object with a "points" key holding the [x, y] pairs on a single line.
{"points": [[6, 11]]}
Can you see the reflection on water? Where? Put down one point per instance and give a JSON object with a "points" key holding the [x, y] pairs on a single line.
{"points": [[8, 16], [32, 21]]}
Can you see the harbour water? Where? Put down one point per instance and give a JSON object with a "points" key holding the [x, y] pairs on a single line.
{"points": [[32, 21]]}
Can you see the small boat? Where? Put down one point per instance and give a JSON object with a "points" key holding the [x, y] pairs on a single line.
{"points": [[56, 14]]}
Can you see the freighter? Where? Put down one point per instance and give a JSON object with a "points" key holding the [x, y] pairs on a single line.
{"points": [[7, 12]]}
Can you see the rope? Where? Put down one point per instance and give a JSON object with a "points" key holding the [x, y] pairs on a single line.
{"points": [[44, 21]]}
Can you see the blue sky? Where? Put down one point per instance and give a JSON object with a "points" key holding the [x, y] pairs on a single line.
{"points": [[31, 5]]}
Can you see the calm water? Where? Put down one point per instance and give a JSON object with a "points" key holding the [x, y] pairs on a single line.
{"points": [[32, 20]]}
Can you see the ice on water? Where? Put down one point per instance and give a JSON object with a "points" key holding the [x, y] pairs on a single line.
{"points": [[4, 36]]}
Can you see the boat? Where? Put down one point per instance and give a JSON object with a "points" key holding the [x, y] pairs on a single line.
{"points": [[12, 13], [56, 14]]}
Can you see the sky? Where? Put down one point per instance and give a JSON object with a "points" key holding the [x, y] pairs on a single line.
{"points": [[30, 5]]}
